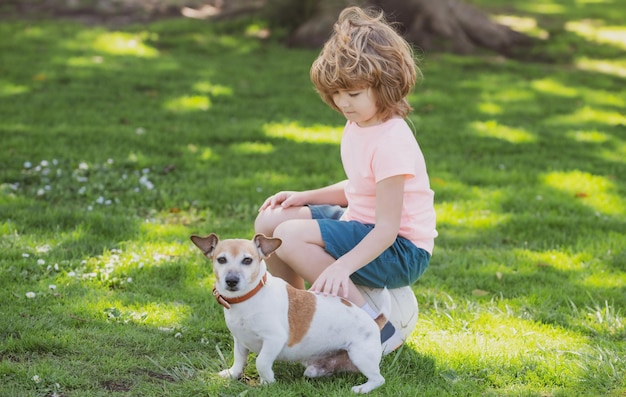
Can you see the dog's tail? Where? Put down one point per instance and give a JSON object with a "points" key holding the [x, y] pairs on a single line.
{"points": [[384, 305]]}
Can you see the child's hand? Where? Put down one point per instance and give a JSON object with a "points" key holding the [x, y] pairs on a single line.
{"points": [[335, 280], [284, 199]]}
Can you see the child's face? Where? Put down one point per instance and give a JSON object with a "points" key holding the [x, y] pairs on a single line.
{"points": [[358, 105]]}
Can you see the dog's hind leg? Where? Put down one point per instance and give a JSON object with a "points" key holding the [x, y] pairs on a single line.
{"points": [[366, 358]]}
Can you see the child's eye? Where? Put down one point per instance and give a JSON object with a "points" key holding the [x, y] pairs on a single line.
{"points": [[353, 94]]}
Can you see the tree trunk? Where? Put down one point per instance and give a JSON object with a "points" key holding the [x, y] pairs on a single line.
{"points": [[429, 24]]}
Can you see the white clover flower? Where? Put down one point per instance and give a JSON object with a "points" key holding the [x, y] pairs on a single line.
{"points": [[129, 280], [140, 131], [52, 287], [36, 379], [100, 200], [25, 255], [56, 267], [178, 335], [83, 166], [41, 192], [146, 183], [41, 262], [30, 295], [71, 274], [44, 163], [27, 164]]}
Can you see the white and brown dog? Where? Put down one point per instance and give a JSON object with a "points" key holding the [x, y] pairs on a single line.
{"points": [[278, 322]]}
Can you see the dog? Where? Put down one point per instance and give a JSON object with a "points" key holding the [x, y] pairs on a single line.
{"points": [[268, 316]]}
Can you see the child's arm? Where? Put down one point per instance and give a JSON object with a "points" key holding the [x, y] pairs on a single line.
{"points": [[333, 194], [335, 279]]}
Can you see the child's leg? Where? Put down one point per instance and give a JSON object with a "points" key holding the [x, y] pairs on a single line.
{"points": [[303, 250], [266, 222]]}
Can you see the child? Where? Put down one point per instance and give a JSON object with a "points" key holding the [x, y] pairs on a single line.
{"points": [[377, 227]]}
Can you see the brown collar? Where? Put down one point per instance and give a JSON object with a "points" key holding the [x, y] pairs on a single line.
{"points": [[226, 302]]}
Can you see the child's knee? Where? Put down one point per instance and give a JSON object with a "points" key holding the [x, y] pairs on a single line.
{"points": [[266, 222]]}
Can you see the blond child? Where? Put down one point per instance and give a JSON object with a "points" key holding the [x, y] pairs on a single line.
{"points": [[377, 227]]}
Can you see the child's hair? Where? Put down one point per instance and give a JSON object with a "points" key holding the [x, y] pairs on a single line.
{"points": [[366, 52]]}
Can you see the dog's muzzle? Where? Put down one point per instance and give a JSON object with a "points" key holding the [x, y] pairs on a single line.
{"points": [[232, 281]]}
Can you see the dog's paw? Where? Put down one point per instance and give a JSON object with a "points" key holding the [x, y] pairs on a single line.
{"points": [[368, 386], [227, 373], [267, 380]]}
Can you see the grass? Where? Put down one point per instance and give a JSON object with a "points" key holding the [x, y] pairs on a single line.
{"points": [[117, 144]]}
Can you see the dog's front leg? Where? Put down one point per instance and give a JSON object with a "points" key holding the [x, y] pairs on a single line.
{"points": [[265, 360], [240, 353]]}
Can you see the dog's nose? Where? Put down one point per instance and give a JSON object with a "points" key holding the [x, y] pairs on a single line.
{"points": [[231, 281]]}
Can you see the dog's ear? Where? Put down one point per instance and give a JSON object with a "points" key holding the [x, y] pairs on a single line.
{"points": [[266, 245], [206, 244]]}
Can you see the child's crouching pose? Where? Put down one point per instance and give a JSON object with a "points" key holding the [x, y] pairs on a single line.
{"points": [[377, 227]]}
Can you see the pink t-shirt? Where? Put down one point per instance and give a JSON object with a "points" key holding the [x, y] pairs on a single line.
{"points": [[371, 154]]}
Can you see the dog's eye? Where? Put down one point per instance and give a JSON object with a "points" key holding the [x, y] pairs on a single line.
{"points": [[247, 261], [221, 260]]}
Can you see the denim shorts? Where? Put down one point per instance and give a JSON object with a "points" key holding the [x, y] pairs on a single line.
{"points": [[398, 266]]}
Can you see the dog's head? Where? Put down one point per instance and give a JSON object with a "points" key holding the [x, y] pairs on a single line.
{"points": [[237, 263]]}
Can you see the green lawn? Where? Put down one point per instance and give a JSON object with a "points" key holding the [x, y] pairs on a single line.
{"points": [[117, 144]]}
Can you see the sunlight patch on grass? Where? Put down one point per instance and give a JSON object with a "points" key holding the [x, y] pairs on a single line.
{"points": [[606, 66], [490, 108], [188, 103], [252, 147], [617, 155], [8, 88], [122, 43], [165, 315], [469, 215], [596, 192], [297, 133], [551, 259], [526, 25], [161, 228], [603, 97], [595, 31], [464, 336], [589, 136], [551, 86], [203, 153], [85, 61], [512, 96], [600, 280], [588, 114], [493, 129], [543, 7], [215, 90]]}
